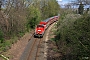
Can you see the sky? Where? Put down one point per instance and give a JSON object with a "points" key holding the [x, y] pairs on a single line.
{"points": [[63, 1]]}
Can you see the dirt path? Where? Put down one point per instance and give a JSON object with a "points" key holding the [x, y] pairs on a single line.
{"points": [[46, 40], [53, 52]]}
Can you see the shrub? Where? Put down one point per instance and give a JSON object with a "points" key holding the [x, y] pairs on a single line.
{"points": [[1, 37], [74, 36], [34, 17]]}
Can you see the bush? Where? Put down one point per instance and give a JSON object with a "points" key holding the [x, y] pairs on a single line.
{"points": [[5, 46], [74, 36], [1, 37], [34, 17]]}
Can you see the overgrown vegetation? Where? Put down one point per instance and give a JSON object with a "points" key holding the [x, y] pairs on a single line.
{"points": [[50, 9], [73, 37], [34, 17], [1, 37]]}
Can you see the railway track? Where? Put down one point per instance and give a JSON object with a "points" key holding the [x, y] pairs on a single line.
{"points": [[33, 55], [32, 49]]}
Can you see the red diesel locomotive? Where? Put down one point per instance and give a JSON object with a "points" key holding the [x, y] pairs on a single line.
{"points": [[43, 25]]}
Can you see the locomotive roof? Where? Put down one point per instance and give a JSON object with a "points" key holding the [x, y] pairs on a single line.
{"points": [[46, 20], [40, 25], [52, 18]]}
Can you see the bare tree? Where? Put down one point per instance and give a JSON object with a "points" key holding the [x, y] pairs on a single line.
{"points": [[0, 4], [84, 2], [68, 6]]}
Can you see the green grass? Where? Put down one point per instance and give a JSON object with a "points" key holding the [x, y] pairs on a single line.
{"points": [[7, 44]]}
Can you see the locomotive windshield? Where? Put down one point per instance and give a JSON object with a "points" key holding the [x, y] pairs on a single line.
{"points": [[40, 26]]}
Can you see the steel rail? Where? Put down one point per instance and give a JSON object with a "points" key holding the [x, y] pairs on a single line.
{"points": [[33, 45], [37, 53], [26, 51], [35, 49]]}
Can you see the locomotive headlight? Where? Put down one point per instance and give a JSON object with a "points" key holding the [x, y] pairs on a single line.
{"points": [[39, 30]]}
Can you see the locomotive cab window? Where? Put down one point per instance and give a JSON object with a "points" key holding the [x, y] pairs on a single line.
{"points": [[40, 26]]}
